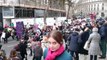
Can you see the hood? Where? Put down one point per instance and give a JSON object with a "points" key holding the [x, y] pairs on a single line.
{"points": [[74, 33], [95, 29]]}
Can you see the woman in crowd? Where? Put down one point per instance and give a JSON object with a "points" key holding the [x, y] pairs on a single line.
{"points": [[93, 44], [56, 50]]}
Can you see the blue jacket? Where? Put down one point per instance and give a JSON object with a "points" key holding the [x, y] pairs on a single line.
{"points": [[102, 32], [64, 56], [74, 40]]}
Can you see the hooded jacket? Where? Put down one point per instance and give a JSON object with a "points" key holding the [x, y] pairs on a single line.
{"points": [[74, 40]]}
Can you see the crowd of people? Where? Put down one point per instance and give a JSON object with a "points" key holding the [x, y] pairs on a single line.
{"points": [[60, 43], [94, 33]]}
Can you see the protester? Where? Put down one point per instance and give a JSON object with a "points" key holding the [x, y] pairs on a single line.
{"points": [[38, 52], [93, 44], [103, 41], [74, 40], [56, 50], [84, 37], [22, 49]]}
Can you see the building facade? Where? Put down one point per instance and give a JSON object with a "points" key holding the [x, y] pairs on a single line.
{"points": [[86, 7], [30, 9]]}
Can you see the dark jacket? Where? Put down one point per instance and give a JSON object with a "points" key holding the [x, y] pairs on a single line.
{"points": [[84, 37], [103, 32], [74, 40], [37, 51], [22, 49]]}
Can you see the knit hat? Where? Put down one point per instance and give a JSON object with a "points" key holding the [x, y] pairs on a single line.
{"points": [[95, 29]]}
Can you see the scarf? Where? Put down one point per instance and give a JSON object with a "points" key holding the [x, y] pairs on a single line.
{"points": [[52, 55]]}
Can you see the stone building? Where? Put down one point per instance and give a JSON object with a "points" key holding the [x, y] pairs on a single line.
{"points": [[10, 9], [86, 7]]}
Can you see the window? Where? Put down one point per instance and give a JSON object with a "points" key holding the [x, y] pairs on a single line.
{"points": [[8, 11], [94, 7], [98, 7], [91, 7], [102, 6], [24, 12]]}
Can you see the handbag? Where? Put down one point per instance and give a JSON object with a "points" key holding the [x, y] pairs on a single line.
{"points": [[86, 46]]}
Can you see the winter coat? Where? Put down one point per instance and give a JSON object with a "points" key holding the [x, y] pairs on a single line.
{"points": [[37, 51], [64, 56], [22, 49], [84, 37], [102, 32], [74, 40], [93, 41]]}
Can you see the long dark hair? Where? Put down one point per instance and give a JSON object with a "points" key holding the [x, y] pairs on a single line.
{"points": [[55, 34]]}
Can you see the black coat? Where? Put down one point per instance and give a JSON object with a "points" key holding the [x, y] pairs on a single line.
{"points": [[74, 40], [84, 37], [22, 49]]}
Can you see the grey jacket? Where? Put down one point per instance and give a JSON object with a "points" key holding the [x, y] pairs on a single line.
{"points": [[94, 40]]}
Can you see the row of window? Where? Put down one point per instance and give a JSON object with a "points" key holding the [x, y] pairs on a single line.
{"points": [[90, 1], [25, 12], [94, 7], [59, 4], [22, 12]]}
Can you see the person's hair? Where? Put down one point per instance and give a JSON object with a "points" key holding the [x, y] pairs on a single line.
{"points": [[13, 53], [55, 34]]}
